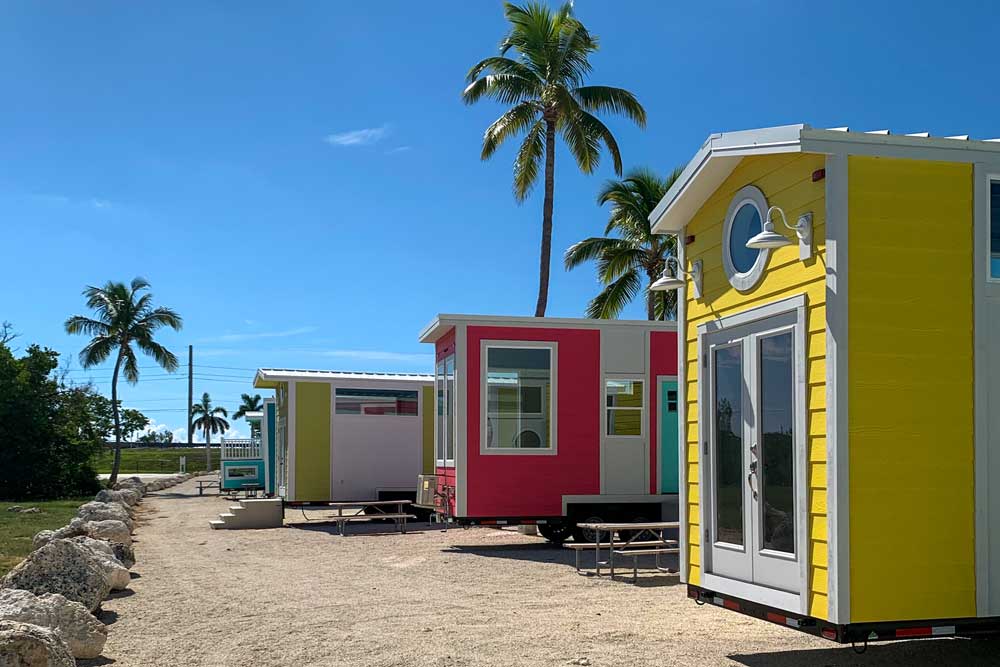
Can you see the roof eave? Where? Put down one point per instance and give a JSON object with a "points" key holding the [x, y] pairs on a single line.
{"points": [[710, 166]]}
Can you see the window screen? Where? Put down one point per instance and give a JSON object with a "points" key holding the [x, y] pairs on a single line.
{"points": [[518, 398], [376, 402]]}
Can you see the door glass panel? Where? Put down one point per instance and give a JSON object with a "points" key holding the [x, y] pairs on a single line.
{"points": [[728, 405], [777, 451]]}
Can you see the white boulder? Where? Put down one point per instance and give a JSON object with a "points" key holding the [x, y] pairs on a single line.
{"points": [[109, 530], [83, 633], [94, 511], [104, 556], [27, 645], [62, 567]]}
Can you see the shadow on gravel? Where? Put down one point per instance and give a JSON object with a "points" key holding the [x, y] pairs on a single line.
{"points": [[134, 575], [375, 527], [95, 662], [545, 552], [117, 595], [929, 652], [108, 617]]}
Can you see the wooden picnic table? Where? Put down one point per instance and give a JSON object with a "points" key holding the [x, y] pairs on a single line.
{"points": [[399, 517], [633, 546]]}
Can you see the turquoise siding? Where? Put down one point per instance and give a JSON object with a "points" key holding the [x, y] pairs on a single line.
{"points": [[269, 419], [668, 437]]}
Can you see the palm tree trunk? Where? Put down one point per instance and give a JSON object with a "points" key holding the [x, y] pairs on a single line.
{"points": [[116, 464], [208, 450], [546, 254], [650, 295]]}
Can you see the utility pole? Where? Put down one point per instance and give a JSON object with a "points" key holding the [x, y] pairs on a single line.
{"points": [[190, 391]]}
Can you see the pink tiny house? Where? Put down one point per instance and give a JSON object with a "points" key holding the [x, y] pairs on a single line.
{"points": [[553, 421]]}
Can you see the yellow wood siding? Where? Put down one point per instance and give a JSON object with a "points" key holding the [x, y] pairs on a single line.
{"points": [[910, 390], [312, 441], [786, 181]]}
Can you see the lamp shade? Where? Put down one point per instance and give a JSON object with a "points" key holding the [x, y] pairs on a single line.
{"points": [[768, 238], [667, 284]]}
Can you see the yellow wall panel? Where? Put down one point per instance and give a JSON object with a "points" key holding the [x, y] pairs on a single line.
{"points": [[785, 180], [312, 441], [910, 394]]}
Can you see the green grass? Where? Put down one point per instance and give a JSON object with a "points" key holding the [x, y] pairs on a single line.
{"points": [[16, 529], [156, 460]]}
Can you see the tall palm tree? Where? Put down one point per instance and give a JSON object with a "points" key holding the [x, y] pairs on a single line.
{"points": [[209, 420], [544, 83], [624, 260], [124, 316], [249, 403]]}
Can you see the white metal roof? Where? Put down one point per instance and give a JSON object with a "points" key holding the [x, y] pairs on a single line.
{"points": [[441, 324], [286, 374], [721, 152], [253, 414]]}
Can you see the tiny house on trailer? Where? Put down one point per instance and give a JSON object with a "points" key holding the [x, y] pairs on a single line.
{"points": [[244, 461], [553, 421], [840, 452], [344, 436]]}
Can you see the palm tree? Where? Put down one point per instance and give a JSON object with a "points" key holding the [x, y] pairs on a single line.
{"points": [[249, 404], [623, 260], [123, 317], [545, 86], [209, 420]]}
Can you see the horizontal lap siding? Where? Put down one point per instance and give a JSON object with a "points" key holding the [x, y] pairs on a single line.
{"points": [[786, 182], [911, 392]]}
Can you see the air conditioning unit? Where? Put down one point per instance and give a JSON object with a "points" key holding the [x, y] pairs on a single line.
{"points": [[426, 490]]}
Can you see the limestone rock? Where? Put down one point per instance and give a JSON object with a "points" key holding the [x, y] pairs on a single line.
{"points": [[83, 633], [124, 554], [27, 645], [62, 567], [41, 538], [104, 556], [110, 530], [127, 497], [94, 511], [131, 483]]}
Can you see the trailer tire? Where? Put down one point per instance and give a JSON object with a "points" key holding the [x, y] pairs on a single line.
{"points": [[586, 536], [556, 533]]}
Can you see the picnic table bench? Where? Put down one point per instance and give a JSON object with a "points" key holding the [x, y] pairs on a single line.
{"points": [[633, 546], [368, 510], [207, 484]]}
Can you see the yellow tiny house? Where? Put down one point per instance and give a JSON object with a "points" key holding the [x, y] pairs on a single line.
{"points": [[842, 437]]}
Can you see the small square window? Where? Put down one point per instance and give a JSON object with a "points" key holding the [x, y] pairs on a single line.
{"points": [[624, 402]]}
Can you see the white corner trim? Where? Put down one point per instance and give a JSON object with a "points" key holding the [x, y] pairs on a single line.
{"points": [[460, 420], [837, 383], [290, 440], [981, 357], [682, 407]]}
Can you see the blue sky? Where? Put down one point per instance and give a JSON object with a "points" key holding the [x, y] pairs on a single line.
{"points": [[303, 183]]}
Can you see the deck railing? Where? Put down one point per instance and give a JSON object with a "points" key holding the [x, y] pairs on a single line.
{"points": [[240, 448]]}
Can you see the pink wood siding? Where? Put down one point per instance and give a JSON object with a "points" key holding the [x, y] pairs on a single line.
{"points": [[662, 361], [512, 485]]}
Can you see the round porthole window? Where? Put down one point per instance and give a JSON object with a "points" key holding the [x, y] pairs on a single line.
{"points": [[744, 266]]}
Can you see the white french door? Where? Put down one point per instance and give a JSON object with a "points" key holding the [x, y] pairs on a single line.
{"points": [[752, 430]]}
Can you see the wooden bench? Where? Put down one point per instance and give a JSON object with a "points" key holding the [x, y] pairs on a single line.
{"points": [[635, 553], [399, 519], [207, 484]]}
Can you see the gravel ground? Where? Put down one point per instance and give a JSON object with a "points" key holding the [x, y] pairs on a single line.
{"points": [[302, 595]]}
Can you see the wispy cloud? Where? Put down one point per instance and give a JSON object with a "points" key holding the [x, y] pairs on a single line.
{"points": [[380, 355], [258, 335], [362, 137], [397, 149]]}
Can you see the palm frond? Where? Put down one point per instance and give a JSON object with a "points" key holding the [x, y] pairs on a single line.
{"points": [[97, 351], [612, 300], [503, 66], [503, 88], [515, 121], [591, 249], [130, 369], [593, 127], [612, 265], [78, 324], [613, 100], [166, 359], [528, 161]]}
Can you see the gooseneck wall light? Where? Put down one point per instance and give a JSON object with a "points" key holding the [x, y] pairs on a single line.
{"points": [[768, 238], [671, 281]]}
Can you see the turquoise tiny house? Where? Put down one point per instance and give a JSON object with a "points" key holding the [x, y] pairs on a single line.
{"points": [[248, 463]]}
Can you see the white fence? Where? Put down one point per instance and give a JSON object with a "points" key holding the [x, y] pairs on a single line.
{"points": [[240, 448]]}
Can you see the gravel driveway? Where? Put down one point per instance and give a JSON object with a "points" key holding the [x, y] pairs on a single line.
{"points": [[302, 595]]}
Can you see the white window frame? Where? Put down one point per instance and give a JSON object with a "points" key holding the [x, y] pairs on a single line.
{"points": [[641, 409], [991, 178], [363, 414], [230, 469], [744, 281], [553, 402], [441, 437]]}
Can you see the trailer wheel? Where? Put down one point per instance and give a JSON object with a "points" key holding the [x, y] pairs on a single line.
{"points": [[582, 534], [557, 533], [859, 648]]}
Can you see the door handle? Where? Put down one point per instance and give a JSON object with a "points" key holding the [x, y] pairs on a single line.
{"points": [[753, 471]]}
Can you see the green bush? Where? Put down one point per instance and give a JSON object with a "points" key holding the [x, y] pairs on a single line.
{"points": [[49, 432]]}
